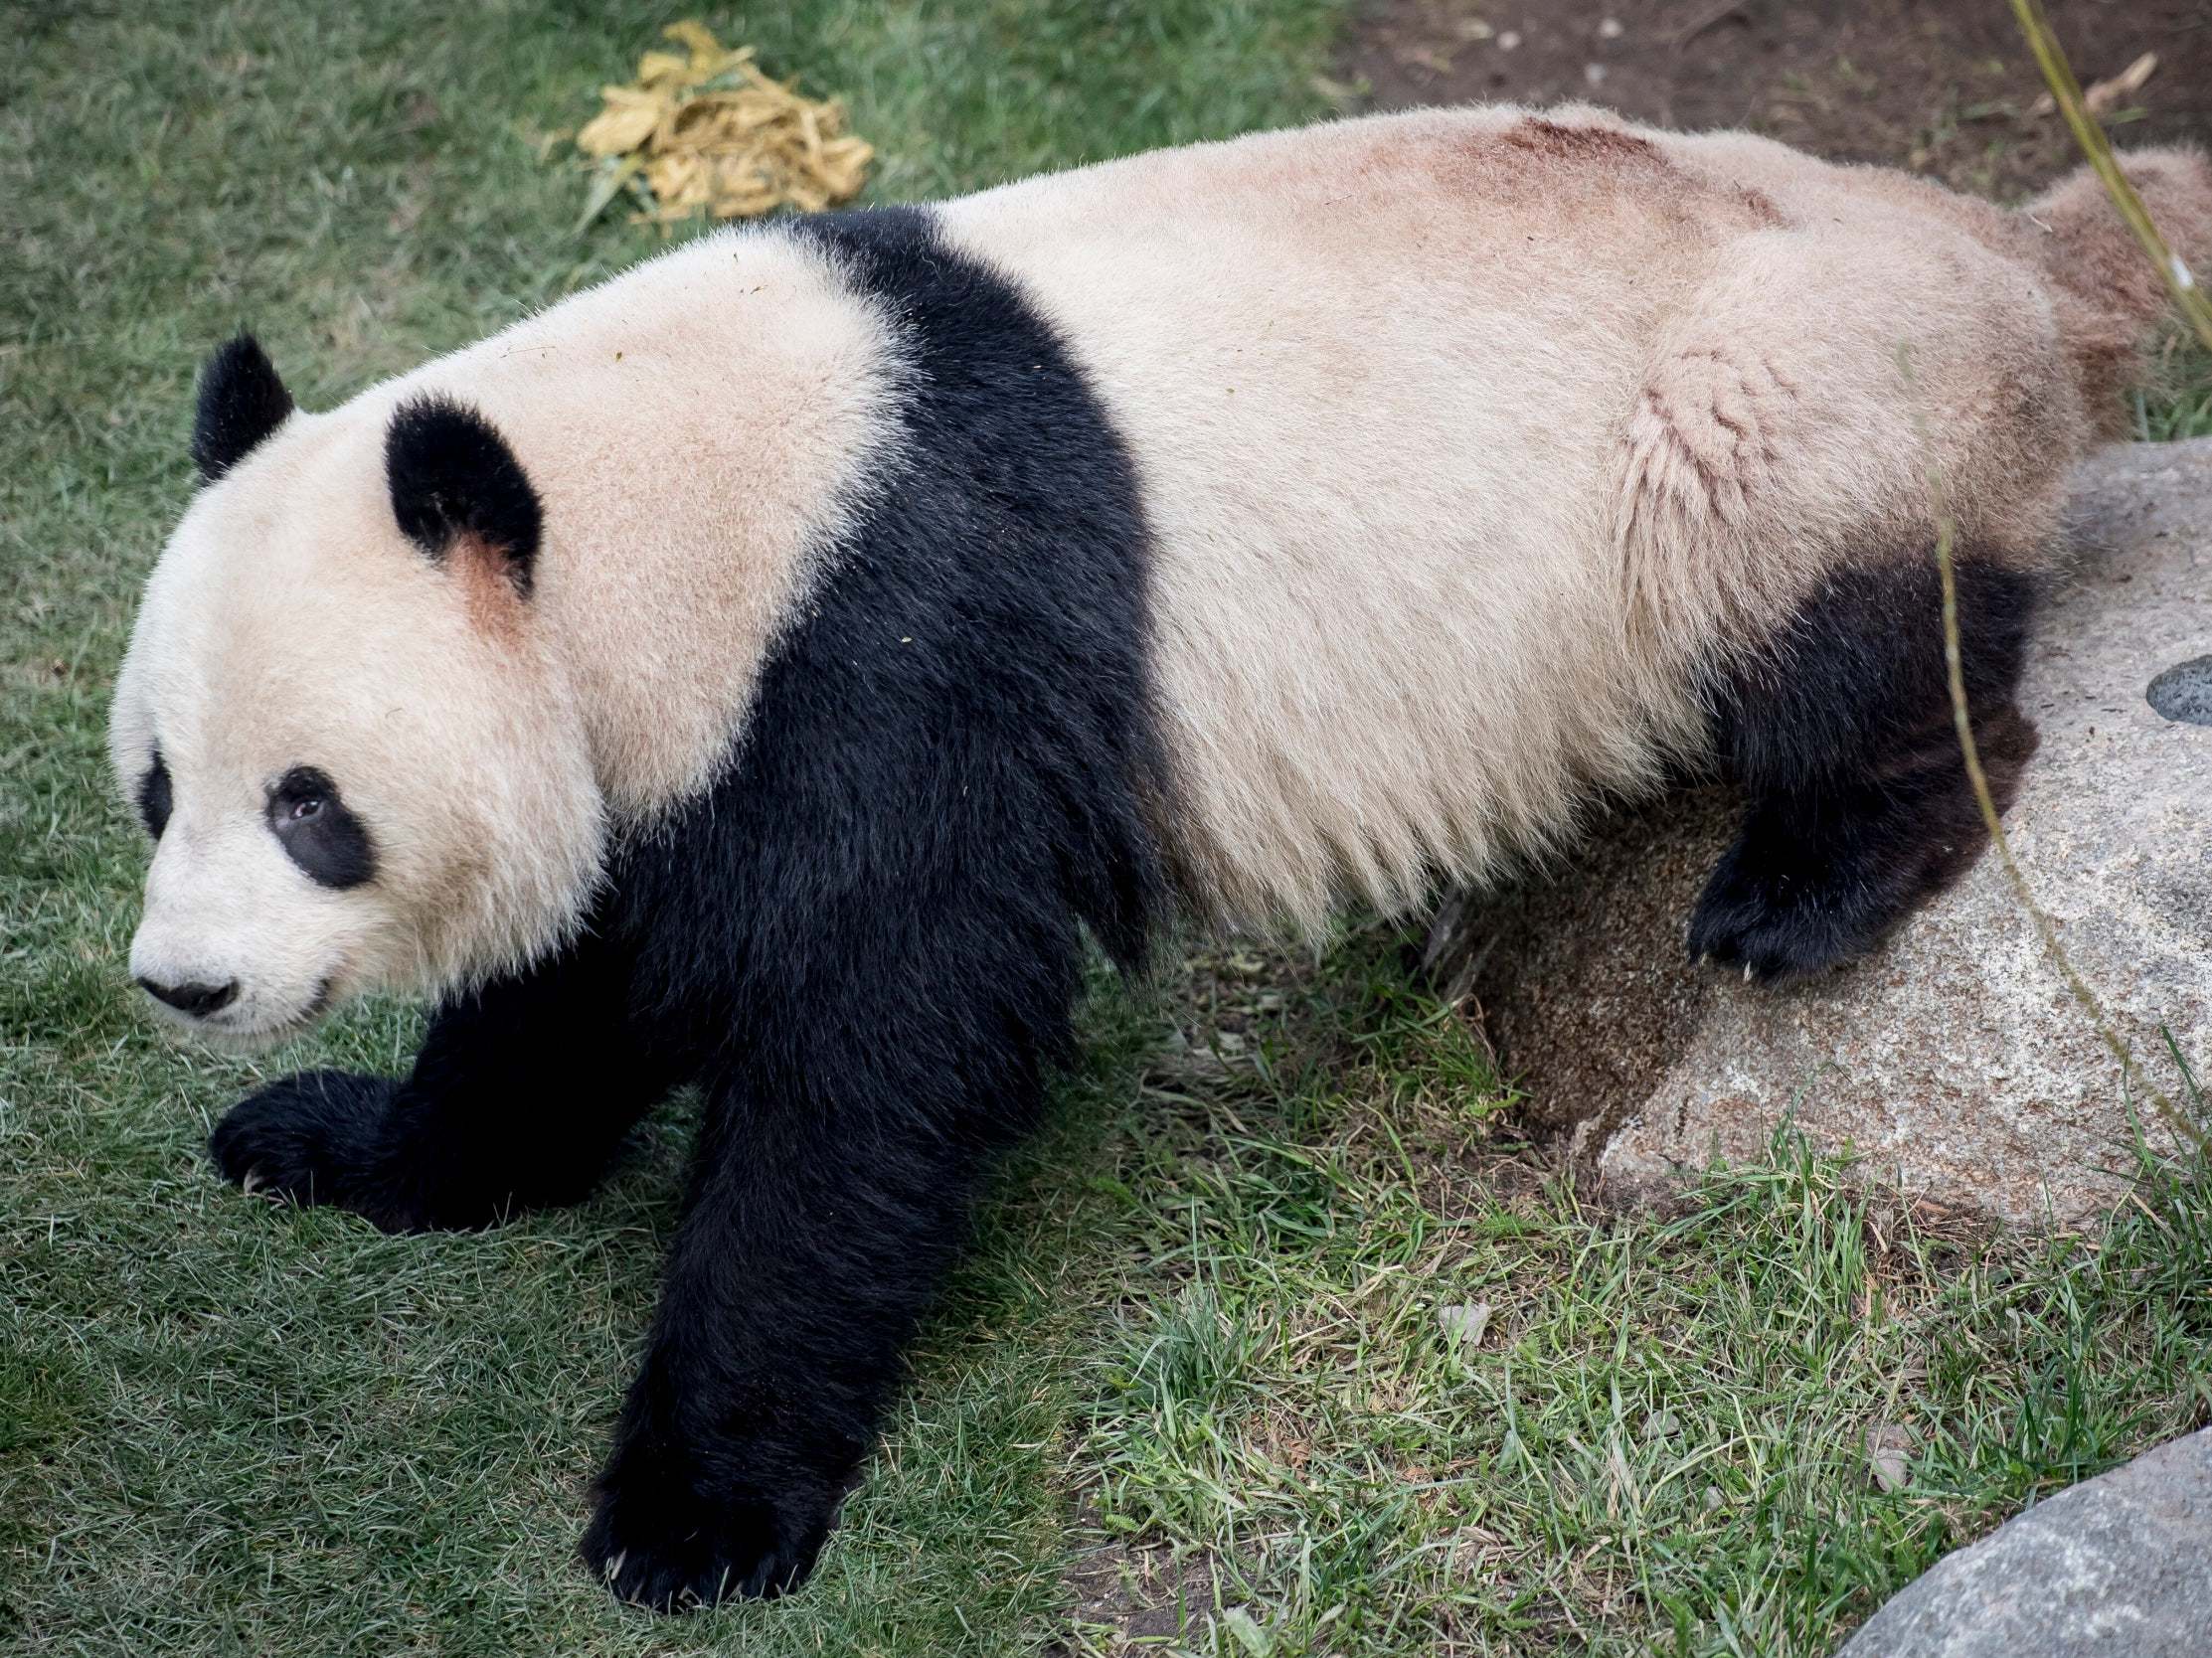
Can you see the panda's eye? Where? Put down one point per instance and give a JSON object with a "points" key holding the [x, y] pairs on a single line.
{"points": [[156, 797], [318, 830]]}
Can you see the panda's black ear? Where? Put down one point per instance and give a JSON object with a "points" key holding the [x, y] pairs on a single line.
{"points": [[241, 403], [453, 479]]}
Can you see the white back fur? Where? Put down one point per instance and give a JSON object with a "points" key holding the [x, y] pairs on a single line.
{"points": [[1465, 432]]}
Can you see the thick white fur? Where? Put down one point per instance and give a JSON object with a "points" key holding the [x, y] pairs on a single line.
{"points": [[1465, 438]]}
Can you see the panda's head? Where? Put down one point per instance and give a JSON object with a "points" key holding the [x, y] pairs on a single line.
{"points": [[340, 720]]}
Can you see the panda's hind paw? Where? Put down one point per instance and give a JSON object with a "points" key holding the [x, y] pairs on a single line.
{"points": [[1812, 884], [1768, 941]]}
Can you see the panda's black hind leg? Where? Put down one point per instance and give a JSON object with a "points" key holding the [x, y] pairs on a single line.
{"points": [[1841, 731]]}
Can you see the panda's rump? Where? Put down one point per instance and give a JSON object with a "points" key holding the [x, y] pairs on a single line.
{"points": [[1805, 407]]}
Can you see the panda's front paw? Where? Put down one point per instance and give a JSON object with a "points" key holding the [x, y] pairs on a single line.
{"points": [[314, 1137], [656, 1541]]}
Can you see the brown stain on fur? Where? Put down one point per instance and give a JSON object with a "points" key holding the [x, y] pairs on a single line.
{"points": [[1759, 207], [1595, 159], [1605, 144]]}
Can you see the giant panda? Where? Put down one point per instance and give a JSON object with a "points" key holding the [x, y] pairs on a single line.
{"points": [[761, 671]]}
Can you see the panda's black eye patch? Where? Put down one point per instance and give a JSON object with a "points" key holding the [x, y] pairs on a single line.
{"points": [[319, 831], [156, 799]]}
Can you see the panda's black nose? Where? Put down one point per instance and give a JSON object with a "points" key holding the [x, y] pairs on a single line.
{"points": [[199, 1000]]}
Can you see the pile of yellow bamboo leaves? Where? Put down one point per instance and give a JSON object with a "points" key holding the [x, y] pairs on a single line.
{"points": [[702, 130]]}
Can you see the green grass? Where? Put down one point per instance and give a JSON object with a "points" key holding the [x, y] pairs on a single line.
{"points": [[2179, 403], [1193, 1391], [1659, 1441]]}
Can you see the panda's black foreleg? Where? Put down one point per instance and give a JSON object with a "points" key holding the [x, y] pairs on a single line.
{"points": [[1841, 733], [519, 1099], [823, 1208], [873, 1063]]}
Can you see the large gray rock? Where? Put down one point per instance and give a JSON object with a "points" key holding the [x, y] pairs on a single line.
{"points": [[1954, 1061], [2120, 1566]]}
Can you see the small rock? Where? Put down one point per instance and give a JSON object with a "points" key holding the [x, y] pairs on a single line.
{"points": [[1610, 29], [1465, 1321], [1889, 1455], [1509, 40], [2184, 692], [2114, 1567], [1468, 1549], [1595, 73], [1661, 1424]]}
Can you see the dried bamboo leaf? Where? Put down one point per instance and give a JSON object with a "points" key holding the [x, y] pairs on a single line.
{"points": [[708, 132]]}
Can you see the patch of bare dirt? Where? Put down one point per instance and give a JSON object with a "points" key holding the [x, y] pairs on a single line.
{"points": [[1614, 923], [1138, 1595], [1945, 87]]}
